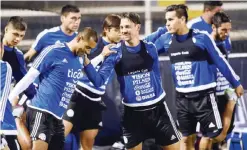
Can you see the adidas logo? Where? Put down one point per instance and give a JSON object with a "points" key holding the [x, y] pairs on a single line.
{"points": [[211, 125], [65, 60], [173, 137]]}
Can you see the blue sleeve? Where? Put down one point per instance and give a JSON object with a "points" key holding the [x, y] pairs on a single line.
{"points": [[220, 61], [162, 43], [105, 71], [155, 35], [39, 43], [45, 60]]}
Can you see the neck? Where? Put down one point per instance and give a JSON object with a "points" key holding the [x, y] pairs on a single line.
{"points": [[107, 39], [206, 18], [133, 42], [5, 42], [183, 30], [66, 30]]}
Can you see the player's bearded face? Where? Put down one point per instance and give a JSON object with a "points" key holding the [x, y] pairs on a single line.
{"points": [[223, 31], [13, 36]]}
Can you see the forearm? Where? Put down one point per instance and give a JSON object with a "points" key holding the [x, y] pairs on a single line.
{"points": [[30, 91], [24, 83], [97, 60], [93, 75]]}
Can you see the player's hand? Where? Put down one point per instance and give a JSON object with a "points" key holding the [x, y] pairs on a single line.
{"points": [[239, 91], [17, 111], [85, 59], [106, 50]]}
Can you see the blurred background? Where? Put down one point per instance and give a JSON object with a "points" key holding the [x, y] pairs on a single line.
{"points": [[41, 15]]}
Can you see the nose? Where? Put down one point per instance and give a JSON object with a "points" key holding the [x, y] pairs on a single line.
{"points": [[77, 21], [123, 30], [17, 39], [167, 24]]}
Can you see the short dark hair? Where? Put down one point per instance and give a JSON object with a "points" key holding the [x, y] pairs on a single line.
{"points": [[219, 18], [181, 10], [88, 33], [18, 23], [212, 4], [134, 17], [111, 21], [69, 8]]}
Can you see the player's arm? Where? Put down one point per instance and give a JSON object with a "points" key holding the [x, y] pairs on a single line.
{"points": [[222, 64], [105, 71], [24, 83], [41, 64], [37, 46], [155, 35], [30, 91], [30, 54], [105, 52]]}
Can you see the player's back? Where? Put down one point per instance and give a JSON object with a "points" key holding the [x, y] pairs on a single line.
{"points": [[59, 71]]}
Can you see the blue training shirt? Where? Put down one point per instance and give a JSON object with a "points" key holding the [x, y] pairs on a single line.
{"points": [[6, 117], [140, 88], [203, 75], [202, 25], [50, 37], [15, 58], [85, 82], [59, 71]]}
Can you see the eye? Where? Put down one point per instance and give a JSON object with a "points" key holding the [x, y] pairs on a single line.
{"points": [[88, 47]]}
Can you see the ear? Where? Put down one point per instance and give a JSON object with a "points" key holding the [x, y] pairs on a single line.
{"points": [[79, 37], [138, 27], [62, 18], [183, 19], [6, 29], [106, 29], [213, 27]]}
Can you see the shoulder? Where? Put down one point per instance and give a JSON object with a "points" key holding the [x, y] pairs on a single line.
{"points": [[201, 35], [53, 50], [18, 51], [194, 22], [148, 44], [117, 47], [48, 32]]}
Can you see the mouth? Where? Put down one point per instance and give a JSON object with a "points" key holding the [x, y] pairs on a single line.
{"points": [[15, 43]]}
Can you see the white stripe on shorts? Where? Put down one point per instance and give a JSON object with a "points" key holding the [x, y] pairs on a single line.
{"points": [[179, 136], [17, 145], [36, 124], [216, 111]]}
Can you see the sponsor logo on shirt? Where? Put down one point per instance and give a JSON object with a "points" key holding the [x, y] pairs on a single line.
{"points": [[75, 74]]}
